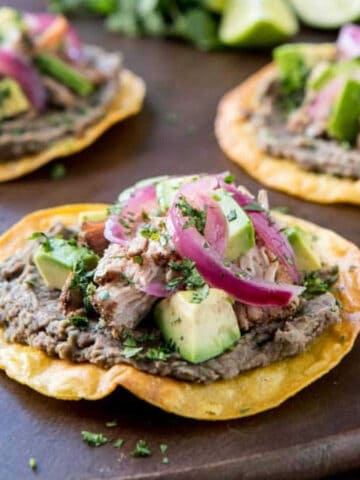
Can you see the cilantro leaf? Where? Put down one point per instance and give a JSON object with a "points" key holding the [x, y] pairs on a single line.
{"points": [[195, 217], [141, 449], [200, 294], [94, 439]]}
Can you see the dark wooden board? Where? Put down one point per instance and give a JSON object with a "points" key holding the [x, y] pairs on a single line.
{"points": [[313, 435]]}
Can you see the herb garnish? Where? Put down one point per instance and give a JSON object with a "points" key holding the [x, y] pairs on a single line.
{"points": [[232, 215], [195, 217], [141, 449], [83, 274], [138, 259], [163, 447], [200, 294], [94, 439], [32, 463], [111, 424], [44, 240], [229, 178], [151, 232], [58, 171], [158, 353], [78, 321], [188, 275], [317, 282], [129, 352], [119, 443]]}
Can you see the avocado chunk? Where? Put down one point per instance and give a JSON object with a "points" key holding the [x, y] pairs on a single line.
{"points": [[241, 233], [69, 76], [93, 216], [12, 99], [302, 244], [329, 71], [56, 258], [199, 331], [294, 62], [167, 189], [125, 194], [343, 124], [215, 5], [12, 27]]}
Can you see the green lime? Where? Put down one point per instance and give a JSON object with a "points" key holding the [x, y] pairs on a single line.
{"points": [[327, 13], [257, 23], [215, 5]]}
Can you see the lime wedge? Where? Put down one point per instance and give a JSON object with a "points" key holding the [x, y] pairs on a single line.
{"points": [[257, 23], [327, 13], [215, 5]]}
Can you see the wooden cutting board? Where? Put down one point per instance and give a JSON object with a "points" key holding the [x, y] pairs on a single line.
{"points": [[315, 434]]}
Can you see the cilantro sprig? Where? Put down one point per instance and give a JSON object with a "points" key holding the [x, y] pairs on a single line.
{"points": [[195, 217]]}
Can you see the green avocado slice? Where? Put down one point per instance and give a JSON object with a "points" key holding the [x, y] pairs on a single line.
{"points": [[13, 100], [199, 331], [343, 124], [241, 233], [306, 258], [57, 258]]}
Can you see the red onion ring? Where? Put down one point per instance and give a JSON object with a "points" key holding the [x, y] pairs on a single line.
{"points": [[348, 42], [198, 195], [189, 243], [267, 231], [142, 200], [14, 66]]}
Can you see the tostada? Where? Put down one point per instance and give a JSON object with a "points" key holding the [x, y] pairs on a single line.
{"points": [[57, 95], [188, 291], [294, 125]]}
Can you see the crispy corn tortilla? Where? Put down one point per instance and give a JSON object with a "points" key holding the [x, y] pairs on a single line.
{"points": [[127, 102], [247, 394], [237, 137]]}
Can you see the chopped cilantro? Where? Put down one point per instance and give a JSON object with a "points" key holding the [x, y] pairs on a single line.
{"points": [[111, 424], [94, 439], [145, 216], [141, 449], [317, 283], [229, 178], [32, 463], [138, 259], [151, 232], [78, 321], [129, 352], [188, 275], [195, 217], [58, 171], [163, 447], [130, 341], [119, 443], [232, 215], [158, 353], [200, 294], [165, 460], [44, 240]]}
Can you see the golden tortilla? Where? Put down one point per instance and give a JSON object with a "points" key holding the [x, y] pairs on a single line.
{"points": [[237, 137], [247, 394], [127, 102]]}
